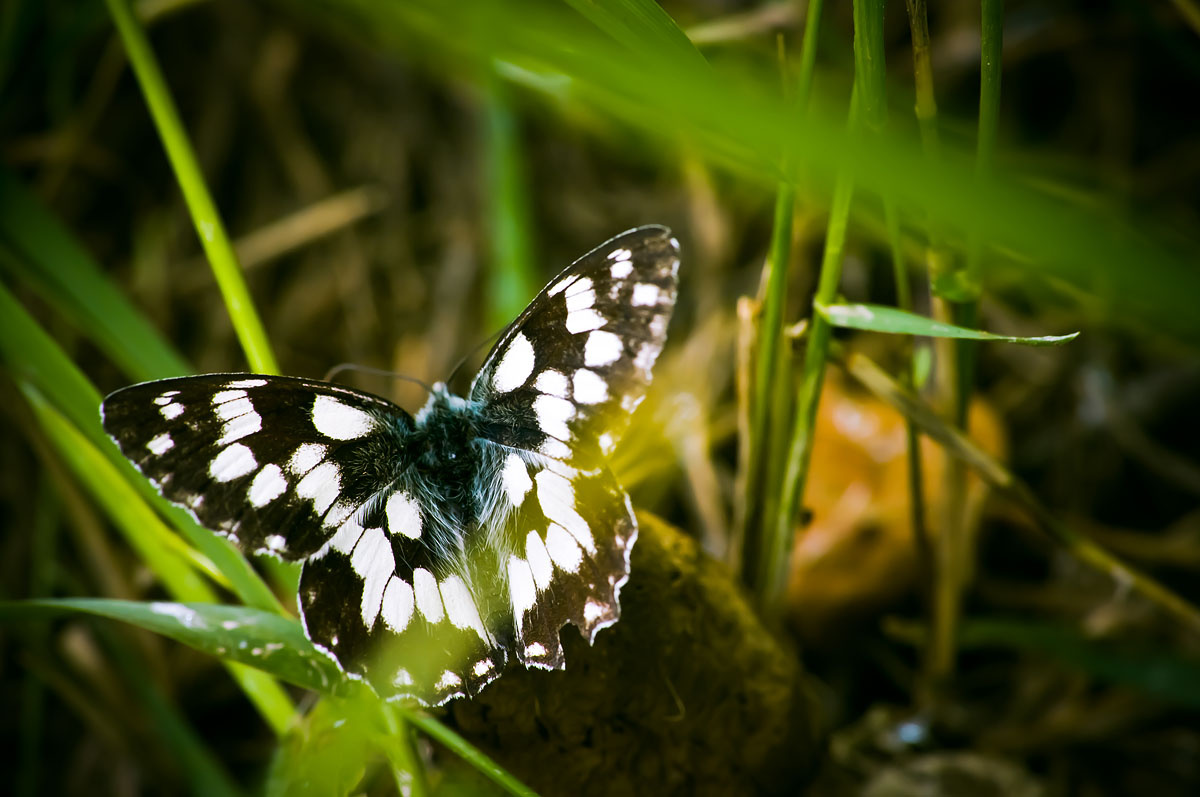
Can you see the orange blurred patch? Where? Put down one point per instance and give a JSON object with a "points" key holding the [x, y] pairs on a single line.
{"points": [[858, 555]]}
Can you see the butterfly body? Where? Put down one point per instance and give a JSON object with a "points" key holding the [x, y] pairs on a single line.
{"points": [[436, 547]]}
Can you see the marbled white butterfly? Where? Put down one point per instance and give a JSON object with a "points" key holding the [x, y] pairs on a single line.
{"points": [[438, 546]]}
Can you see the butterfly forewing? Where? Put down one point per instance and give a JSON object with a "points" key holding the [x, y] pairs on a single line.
{"points": [[568, 372], [276, 463]]}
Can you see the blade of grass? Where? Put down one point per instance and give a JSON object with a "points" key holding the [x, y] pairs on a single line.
{"points": [[511, 279], [208, 222], [467, 752], [890, 320], [33, 356], [735, 121], [172, 562]]}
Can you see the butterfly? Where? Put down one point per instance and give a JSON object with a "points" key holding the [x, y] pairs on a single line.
{"points": [[438, 547]]}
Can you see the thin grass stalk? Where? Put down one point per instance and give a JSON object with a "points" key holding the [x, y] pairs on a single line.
{"points": [[769, 399], [867, 92], [210, 228], [771, 576], [468, 752], [408, 772], [912, 441]]}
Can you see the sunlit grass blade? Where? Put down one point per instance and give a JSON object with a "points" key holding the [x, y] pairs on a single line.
{"points": [[469, 753], [511, 280], [205, 217], [258, 639], [640, 24], [737, 121], [33, 356], [880, 318], [45, 255], [170, 559]]}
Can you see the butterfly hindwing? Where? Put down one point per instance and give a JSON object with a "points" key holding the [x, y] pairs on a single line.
{"points": [[568, 545]]}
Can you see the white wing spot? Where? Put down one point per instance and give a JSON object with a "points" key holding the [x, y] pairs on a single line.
{"points": [[338, 515], [581, 296], [233, 462], [647, 355], [557, 498], [268, 485], [602, 348], [645, 294], [398, 602], [340, 421], [520, 587], [584, 321], [161, 444], [552, 383], [589, 387], [554, 448], [374, 562], [607, 443], [448, 680], [592, 611], [227, 395], [403, 515], [515, 477], [171, 411], [402, 678], [322, 484], [553, 414], [460, 607], [559, 286], [233, 408], [622, 268], [515, 366], [248, 383], [345, 539], [658, 326], [166, 398], [305, 458], [482, 667], [237, 428], [535, 650], [429, 600], [563, 549], [275, 542], [539, 561], [620, 254]]}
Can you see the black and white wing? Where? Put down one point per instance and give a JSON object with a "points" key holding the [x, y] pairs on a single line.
{"points": [[556, 392], [311, 471]]}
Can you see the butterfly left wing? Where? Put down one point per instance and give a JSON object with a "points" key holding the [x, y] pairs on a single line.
{"points": [[310, 470], [556, 393]]}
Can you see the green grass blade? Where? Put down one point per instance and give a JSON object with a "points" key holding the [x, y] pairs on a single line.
{"points": [[239, 634], [469, 753], [511, 281], [33, 356], [641, 25], [880, 318], [737, 121], [208, 222], [168, 557], [40, 251]]}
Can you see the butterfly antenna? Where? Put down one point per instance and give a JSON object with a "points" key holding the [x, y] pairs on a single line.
{"points": [[342, 367], [471, 354]]}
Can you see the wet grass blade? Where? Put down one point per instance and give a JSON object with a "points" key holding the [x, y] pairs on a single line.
{"points": [[880, 318]]}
